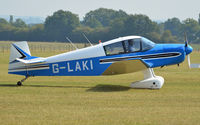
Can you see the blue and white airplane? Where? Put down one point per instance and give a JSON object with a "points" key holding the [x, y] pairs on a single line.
{"points": [[122, 55]]}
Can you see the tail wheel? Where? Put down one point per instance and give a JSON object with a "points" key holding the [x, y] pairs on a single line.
{"points": [[19, 83]]}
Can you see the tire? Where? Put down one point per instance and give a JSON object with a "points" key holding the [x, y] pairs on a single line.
{"points": [[19, 83]]}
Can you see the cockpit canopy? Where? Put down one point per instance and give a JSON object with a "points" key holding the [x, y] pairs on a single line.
{"points": [[129, 46]]}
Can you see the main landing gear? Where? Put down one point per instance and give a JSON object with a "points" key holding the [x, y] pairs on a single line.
{"points": [[151, 81], [19, 83]]}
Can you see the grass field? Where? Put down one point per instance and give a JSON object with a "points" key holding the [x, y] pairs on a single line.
{"points": [[103, 100]]}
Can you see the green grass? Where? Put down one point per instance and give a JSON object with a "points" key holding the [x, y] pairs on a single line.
{"points": [[103, 100]]}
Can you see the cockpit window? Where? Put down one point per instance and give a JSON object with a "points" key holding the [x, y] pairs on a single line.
{"points": [[147, 44], [129, 46], [113, 49], [133, 45]]}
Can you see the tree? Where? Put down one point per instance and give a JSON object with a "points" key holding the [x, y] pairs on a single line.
{"points": [[117, 27], [191, 27], [168, 37], [78, 33], [3, 21], [36, 32], [139, 25], [60, 24], [19, 23], [104, 16], [6, 30], [154, 36], [92, 22], [174, 25]]}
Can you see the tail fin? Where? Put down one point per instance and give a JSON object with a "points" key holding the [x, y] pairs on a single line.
{"points": [[20, 59], [19, 50]]}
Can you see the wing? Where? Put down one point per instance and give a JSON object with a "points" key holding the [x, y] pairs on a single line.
{"points": [[127, 66]]}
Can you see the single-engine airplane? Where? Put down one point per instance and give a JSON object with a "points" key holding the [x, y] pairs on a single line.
{"points": [[118, 56]]}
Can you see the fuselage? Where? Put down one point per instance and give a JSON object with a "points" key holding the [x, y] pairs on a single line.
{"points": [[95, 60]]}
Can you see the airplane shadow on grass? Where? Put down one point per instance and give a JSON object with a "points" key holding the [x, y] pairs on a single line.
{"points": [[97, 88], [49, 86], [108, 88], [8, 85]]}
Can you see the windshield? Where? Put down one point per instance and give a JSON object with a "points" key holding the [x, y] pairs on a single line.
{"points": [[147, 44]]}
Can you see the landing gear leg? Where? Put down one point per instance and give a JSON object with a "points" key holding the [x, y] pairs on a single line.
{"points": [[151, 81], [19, 83]]}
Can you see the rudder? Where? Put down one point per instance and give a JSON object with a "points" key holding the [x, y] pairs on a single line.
{"points": [[18, 50]]}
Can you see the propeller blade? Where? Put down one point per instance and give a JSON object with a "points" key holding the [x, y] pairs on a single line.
{"points": [[188, 56], [188, 59], [185, 39]]}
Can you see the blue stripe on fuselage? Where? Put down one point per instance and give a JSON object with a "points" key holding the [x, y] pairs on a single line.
{"points": [[83, 67], [166, 48]]}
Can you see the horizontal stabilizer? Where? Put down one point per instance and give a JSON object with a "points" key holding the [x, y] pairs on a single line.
{"points": [[32, 61]]}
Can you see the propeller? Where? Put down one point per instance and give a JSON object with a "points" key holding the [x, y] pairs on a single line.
{"points": [[185, 39], [188, 50], [188, 59]]}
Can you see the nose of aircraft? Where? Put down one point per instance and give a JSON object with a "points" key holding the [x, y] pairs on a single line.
{"points": [[188, 49]]}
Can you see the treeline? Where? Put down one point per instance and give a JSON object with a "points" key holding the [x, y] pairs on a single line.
{"points": [[101, 24]]}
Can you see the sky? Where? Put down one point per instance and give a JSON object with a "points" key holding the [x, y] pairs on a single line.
{"points": [[155, 9]]}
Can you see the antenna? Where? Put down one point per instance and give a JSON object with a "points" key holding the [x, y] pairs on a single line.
{"points": [[87, 39], [71, 42]]}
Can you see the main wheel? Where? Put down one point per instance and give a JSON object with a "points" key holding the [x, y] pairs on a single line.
{"points": [[19, 83]]}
